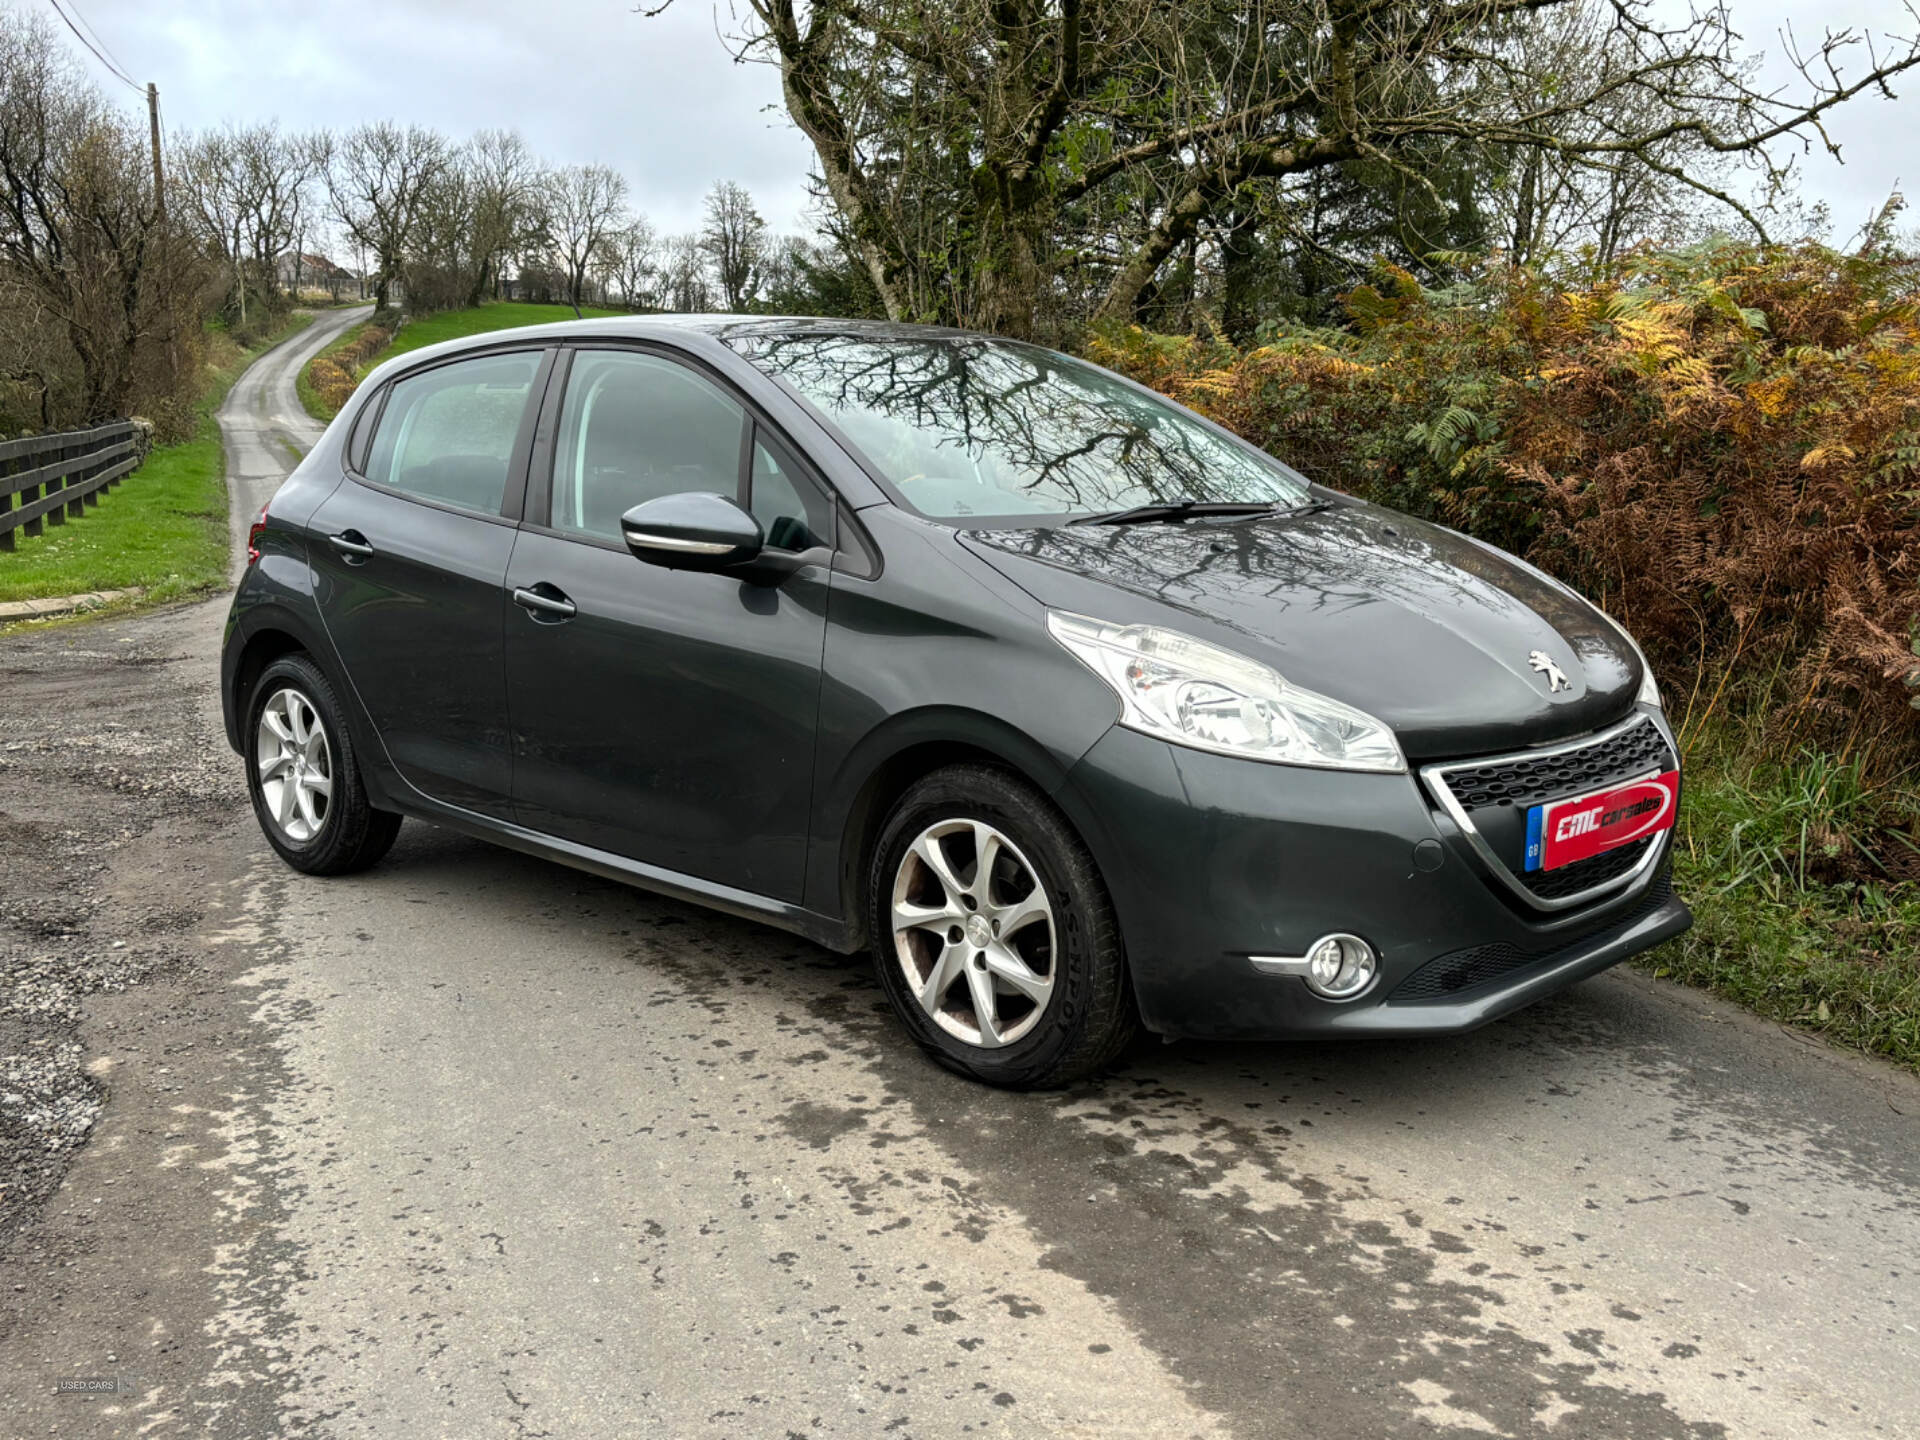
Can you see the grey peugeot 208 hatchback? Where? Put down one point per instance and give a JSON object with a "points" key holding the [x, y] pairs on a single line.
{"points": [[1079, 711]]}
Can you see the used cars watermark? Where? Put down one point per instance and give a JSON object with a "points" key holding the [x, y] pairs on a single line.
{"points": [[97, 1385]]}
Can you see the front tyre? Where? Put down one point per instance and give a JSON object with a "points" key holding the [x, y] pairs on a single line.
{"points": [[993, 934], [304, 776]]}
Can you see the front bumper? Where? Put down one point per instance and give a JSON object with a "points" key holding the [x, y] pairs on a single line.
{"points": [[1211, 860]]}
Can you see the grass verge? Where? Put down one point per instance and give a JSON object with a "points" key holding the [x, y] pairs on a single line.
{"points": [[504, 315], [431, 330], [165, 528], [1800, 878]]}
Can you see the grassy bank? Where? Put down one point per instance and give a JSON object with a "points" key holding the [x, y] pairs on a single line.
{"points": [[1805, 908], [323, 399], [165, 528], [504, 315]]}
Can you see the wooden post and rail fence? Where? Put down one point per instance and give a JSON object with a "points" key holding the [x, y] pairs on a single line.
{"points": [[50, 479]]}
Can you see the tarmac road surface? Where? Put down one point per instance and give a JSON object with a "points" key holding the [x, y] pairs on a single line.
{"points": [[475, 1145]]}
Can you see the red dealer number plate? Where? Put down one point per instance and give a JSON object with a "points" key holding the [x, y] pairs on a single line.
{"points": [[1585, 825]]}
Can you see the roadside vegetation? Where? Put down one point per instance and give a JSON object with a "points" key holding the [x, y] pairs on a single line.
{"points": [[503, 315], [326, 381], [164, 529], [1791, 864]]}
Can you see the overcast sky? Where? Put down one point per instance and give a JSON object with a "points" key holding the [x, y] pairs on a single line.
{"points": [[662, 101]]}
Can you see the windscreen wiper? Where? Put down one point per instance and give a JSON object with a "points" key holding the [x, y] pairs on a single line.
{"points": [[1174, 510]]}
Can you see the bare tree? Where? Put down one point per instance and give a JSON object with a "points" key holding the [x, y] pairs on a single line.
{"points": [[441, 251], [684, 276], [508, 208], [85, 253], [251, 189], [206, 176], [378, 179], [635, 255], [584, 206], [735, 239], [281, 172], [958, 139]]}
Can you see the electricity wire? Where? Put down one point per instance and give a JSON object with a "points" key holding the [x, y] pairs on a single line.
{"points": [[99, 51], [98, 44]]}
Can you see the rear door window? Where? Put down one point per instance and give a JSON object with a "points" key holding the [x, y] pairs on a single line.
{"points": [[634, 427], [447, 434]]}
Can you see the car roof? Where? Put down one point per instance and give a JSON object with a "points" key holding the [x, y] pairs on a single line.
{"points": [[722, 327], [712, 331]]}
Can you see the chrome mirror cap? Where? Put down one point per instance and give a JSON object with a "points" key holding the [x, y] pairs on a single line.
{"points": [[692, 531]]}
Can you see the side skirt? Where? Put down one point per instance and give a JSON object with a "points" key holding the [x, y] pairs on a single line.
{"points": [[822, 930]]}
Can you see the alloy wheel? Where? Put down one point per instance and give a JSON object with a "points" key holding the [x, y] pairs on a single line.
{"points": [[295, 765], [973, 932]]}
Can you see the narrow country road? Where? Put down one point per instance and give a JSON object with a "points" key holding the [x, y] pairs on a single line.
{"points": [[474, 1145], [265, 427]]}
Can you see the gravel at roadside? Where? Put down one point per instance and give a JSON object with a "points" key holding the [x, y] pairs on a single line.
{"points": [[105, 746]]}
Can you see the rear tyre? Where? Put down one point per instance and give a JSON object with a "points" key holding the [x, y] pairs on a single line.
{"points": [[993, 934], [304, 776]]}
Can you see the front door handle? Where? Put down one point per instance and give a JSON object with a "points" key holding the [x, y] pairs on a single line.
{"points": [[352, 544], [544, 599]]}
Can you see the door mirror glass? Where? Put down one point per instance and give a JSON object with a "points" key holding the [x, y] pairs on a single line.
{"points": [[693, 531]]}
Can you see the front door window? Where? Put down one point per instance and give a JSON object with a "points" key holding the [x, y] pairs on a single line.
{"points": [[635, 427]]}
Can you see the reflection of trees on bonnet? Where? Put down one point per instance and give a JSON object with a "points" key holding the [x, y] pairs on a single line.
{"points": [[973, 426], [1251, 570]]}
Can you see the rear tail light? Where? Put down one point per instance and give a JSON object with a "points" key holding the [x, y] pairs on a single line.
{"points": [[253, 536]]}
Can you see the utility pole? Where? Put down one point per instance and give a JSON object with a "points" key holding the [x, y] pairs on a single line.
{"points": [[160, 217], [153, 123]]}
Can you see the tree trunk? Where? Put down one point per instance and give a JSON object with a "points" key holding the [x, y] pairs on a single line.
{"points": [[482, 277], [1122, 299], [1009, 273], [808, 95], [1239, 278], [1010, 202]]}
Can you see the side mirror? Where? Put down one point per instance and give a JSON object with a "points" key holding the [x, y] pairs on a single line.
{"points": [[694, 531]]}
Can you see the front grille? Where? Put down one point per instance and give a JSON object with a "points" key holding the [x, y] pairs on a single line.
{"points": [[1587, 873], [1492, 798], [1532, 780], [1451, 976]]}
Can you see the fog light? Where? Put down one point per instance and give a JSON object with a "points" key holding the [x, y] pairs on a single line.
{"points": [[1335, 967], [1339, 967]]}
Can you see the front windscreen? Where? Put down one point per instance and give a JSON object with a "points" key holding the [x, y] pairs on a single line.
{"points": [[969, 427]]}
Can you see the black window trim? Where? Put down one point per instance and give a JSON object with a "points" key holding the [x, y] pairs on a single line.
{"points": [[513, 498], [360, 441], [537, 511]]}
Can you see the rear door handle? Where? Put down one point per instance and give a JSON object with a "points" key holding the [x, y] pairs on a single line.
{"points": [[544, 599], [351, 542]]}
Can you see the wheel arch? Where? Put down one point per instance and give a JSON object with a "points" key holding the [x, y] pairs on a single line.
{"points": [[260, 651], [879, 771], [262, 635]]}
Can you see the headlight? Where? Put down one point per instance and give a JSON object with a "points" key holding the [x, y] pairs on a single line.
{"points": [[1195, 694], [1649, 690]]}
